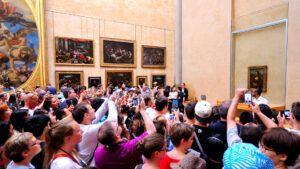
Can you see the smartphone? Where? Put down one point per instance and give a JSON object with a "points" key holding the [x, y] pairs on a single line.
{"points": [[134, 101], [248, 97], [171, 117], [286, 113]]}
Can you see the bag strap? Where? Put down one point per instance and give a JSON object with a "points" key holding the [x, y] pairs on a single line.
{"points": [[65, 155], [198, 143]]}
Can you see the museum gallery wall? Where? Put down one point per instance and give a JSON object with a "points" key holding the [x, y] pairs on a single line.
{"points": [[109, 45]]}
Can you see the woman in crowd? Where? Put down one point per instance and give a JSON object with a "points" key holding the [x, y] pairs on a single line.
{"points": [[182, 138], [60, 145], [21, 148], [154, 149]]}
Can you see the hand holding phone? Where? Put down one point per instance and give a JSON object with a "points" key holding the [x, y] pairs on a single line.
{"points": [[286, 113], [248, 97]]}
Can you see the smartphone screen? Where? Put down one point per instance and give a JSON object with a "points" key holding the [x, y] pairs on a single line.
{"points": [[286, 113], [248, 97]]}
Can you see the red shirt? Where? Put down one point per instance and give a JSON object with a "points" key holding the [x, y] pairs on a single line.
{"points": [[165, 162]]}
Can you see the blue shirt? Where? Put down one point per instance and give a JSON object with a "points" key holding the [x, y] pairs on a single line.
{"points": [[11, 166]]}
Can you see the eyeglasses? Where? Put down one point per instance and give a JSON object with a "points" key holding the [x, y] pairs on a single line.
{"points": [[35, 142], [264, 148]]}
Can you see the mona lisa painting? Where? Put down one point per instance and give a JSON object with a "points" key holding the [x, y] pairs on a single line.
{"points": [[257, 77]]}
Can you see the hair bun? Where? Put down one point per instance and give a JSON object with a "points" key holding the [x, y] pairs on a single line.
{"points": [[140, 145]]}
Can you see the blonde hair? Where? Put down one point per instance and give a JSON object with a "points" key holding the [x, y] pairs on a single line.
{"points": [[55, 137]]}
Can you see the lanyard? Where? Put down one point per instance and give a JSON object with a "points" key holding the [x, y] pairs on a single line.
{"points": [[65, 155]]}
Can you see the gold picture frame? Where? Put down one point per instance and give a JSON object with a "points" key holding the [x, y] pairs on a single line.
{"points": [[117, 53], [114, 76], [160, 79], [38, 67], [153, 57], [72, 78], [257, 77], [141, 79], [62, 57]]}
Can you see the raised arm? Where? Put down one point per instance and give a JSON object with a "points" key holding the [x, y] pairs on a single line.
{"points": [[233, 107], [112, 109], [267, 122], [101, 111], [150, 128]]}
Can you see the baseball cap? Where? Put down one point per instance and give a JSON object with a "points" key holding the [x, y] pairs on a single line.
{"points": [[245, 155], [203, 112]]}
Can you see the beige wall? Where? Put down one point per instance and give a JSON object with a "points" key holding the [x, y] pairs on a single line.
{"points": [[293, 54], [265, 46], [206, 43], [146, 22], [206, 48]]}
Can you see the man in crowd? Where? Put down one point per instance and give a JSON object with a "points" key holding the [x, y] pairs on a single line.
{"points": [[258, 99]]}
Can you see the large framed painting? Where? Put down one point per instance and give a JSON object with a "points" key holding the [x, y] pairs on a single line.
{"points": [[140, 80], [257, 77], [67, 78], [159, 79], [117, 53], [94, 81], [153, 57], [71, 51], [21, 52], [118, 77]]}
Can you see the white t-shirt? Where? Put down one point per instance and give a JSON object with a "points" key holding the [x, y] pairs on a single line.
{"points": [[64, 163], [173, 95], [261, 100]]}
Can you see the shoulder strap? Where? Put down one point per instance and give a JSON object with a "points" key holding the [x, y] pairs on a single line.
{"points": [[65, 155], [198, 143]]}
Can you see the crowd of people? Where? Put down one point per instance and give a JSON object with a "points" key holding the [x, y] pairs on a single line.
{"points": [[125, 127]]}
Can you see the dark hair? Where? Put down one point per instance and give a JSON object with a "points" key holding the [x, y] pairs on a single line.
{"points": [[246, 117], [4, 132], [147, 99], [150, 144], [36, 124], [59, 113], [265, 109], [223, 108], [72, 101], [137, 126], [180, 131], [124, 109], [258, 90], [161, 102], [215, 113], [107, 134], [160, 128], [282, 142], [18, 119], [79, 111], [215, 148], [47, 103], [190, 110], [96, 103], [66, 92], [251, 134], [296, 110], [274, 115], [39, 111], [12, 98]]}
